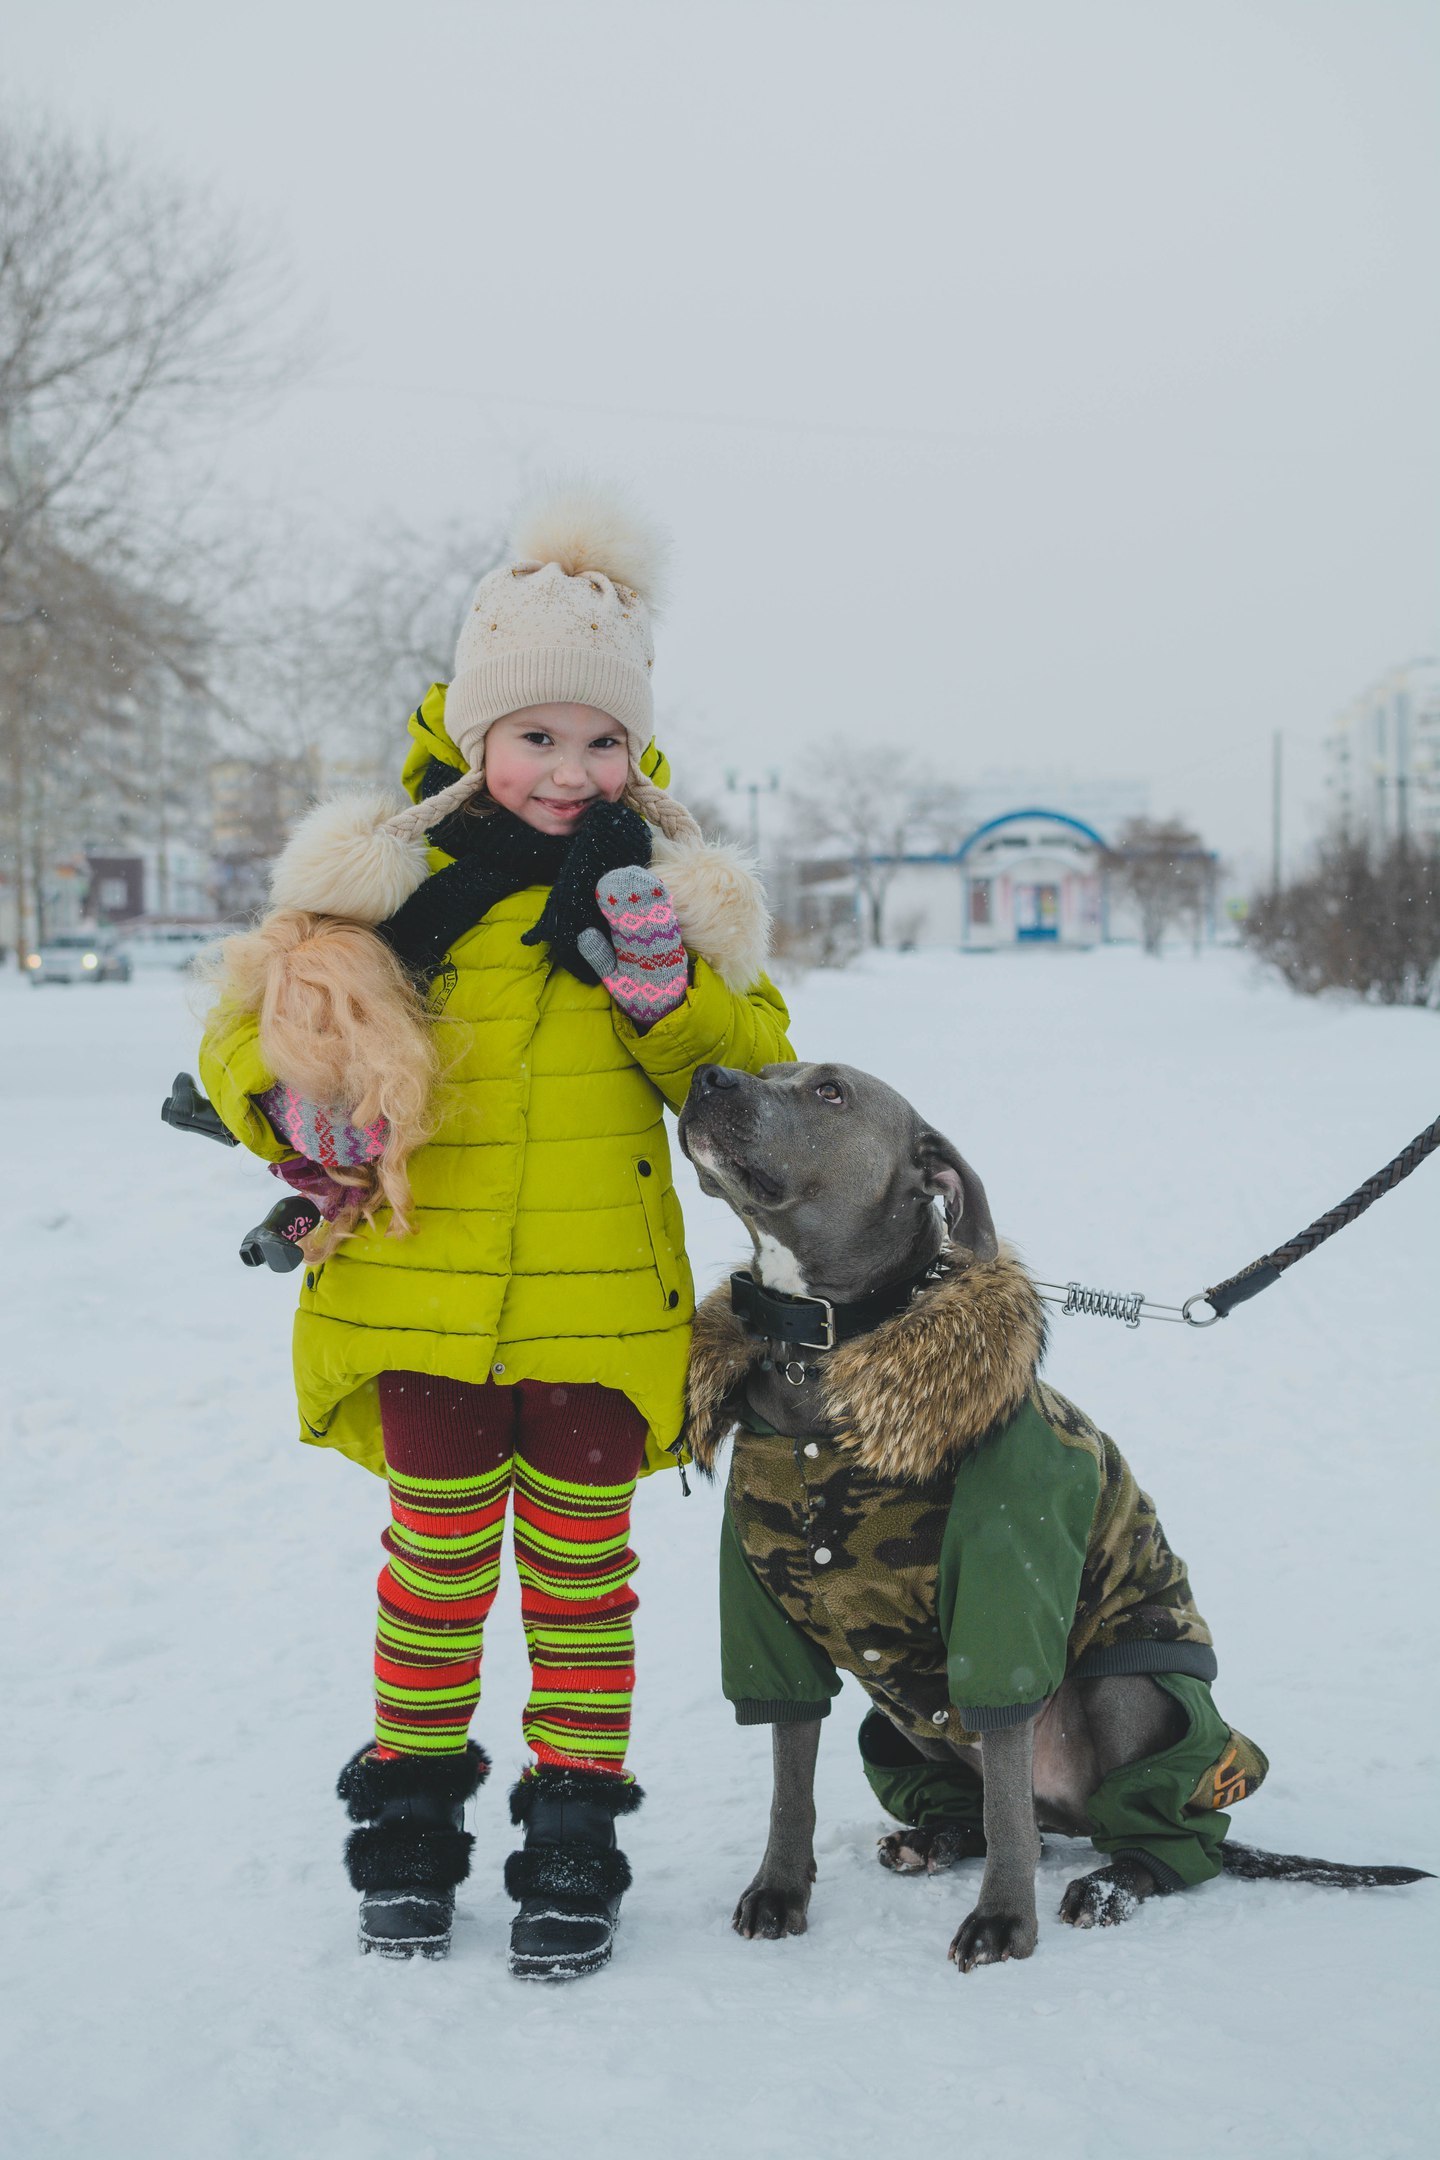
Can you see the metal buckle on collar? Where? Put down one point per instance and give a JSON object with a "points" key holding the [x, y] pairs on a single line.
{"points": [[779, 1316], [827, 1340]]}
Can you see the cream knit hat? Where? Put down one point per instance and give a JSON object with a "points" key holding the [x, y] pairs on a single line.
{"points": [[566, 620]]}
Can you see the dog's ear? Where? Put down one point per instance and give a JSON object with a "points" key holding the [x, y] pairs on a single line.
{"points": [[967, 1211]]}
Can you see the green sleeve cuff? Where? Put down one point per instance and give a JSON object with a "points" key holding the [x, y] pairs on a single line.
{"points": [[976, 1718], [772, 1672], [780, 1713]]}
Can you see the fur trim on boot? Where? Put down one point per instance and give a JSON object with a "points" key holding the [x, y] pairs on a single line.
{"points": [[617, 1796], [581, 1873], [378, 1858], [369, 1780]]}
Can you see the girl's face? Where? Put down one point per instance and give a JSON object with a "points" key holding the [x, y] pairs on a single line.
{"points": [[548, 763]]}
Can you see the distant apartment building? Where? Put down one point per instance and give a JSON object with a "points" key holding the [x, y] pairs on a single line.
{"points": [[1382, 758], [253, 805]]}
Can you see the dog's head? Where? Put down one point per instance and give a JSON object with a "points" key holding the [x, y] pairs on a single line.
{"points": [[834, 1174]]}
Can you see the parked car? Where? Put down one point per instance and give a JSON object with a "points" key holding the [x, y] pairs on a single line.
{"points": [[73, 956], [171, 945]]}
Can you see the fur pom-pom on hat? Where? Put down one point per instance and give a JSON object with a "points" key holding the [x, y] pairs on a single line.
{"points": [[345, 858], [587, 528], [565, 621]]}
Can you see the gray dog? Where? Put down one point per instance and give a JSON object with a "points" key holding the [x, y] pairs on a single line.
{"points": [[908, 1502]]}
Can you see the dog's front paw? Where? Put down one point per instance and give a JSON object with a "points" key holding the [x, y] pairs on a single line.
{"points": [[770, 1910], [992, 1938], [930, 1851], [1109, 1896]]}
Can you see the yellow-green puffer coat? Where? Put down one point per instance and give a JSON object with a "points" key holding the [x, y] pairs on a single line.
{"points": [[548, 1241]]}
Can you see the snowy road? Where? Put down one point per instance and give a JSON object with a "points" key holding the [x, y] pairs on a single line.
{"points": [[189, 1614]]}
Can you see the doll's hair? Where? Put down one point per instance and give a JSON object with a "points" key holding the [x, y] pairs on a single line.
{"points": [[341, 1023]]}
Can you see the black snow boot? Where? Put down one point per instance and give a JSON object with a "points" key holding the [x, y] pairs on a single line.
{"points": [[411, 1851], [570, 1876]]}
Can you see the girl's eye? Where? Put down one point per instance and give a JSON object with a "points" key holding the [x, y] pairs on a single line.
{"points": [[606, 742], [537, 736], [829, 1092]]}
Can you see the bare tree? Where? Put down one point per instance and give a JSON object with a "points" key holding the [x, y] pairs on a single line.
{"points": [[331, 668], [132, 319], [1168, 874], [863, 810], [1364, 918], [132, 316]]}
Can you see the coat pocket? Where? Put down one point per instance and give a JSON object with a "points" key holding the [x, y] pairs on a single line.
{"points": [[652, 1200]]}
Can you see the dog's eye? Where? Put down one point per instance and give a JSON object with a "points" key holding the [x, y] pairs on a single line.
{"points": [[828, 1091]]}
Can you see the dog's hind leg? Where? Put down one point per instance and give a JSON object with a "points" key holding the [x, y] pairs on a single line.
{"points": [[930, 1848], [1128, 1717], [1003, 1924], [776, 1902]]}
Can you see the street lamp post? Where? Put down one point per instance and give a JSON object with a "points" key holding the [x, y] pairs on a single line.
{"points": [[754, 789]]}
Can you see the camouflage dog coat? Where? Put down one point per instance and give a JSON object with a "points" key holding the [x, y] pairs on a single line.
{"points": [[960, 1539]]}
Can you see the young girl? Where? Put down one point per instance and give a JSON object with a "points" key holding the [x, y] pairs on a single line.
{"points": [[500, 1300]]}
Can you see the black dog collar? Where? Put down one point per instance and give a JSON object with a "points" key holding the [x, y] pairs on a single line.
{"points": [[817, 1323]]}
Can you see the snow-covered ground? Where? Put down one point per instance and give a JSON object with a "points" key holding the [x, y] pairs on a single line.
{"points": [[188, 1598]]}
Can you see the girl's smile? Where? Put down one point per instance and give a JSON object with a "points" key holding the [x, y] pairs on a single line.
{"points": [[548, 763]]}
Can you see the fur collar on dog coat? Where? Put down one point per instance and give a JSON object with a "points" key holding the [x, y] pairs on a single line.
{"points": [[913, 1394]]}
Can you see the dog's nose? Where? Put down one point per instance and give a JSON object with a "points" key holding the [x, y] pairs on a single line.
{"points": [[712, 1078]]}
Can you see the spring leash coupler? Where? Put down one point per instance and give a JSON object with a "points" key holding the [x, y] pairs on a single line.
{"points": [[1132, 1306]]}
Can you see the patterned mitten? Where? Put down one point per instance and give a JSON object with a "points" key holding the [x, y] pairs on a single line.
{"points": [[322, 1136], [645, 969]]}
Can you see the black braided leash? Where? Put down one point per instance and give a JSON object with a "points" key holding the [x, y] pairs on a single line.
{"points": [[1132, 1306], [1261, 1273]]}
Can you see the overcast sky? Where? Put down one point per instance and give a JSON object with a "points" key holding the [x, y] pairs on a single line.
{"points": [[1032, 385]]}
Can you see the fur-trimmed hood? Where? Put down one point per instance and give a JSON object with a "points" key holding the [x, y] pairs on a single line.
{"points": [[914, 1393]]}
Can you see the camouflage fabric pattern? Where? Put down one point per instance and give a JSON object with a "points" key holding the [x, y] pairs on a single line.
{"points": [[1134, 1588], [870, 1606], [853, 1559]]}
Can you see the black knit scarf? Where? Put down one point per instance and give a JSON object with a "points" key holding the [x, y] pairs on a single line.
{"points": [[499, 854]]}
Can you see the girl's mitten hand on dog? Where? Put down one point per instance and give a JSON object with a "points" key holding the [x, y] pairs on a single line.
{"points": [[642, 963], [326, 1137]]}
